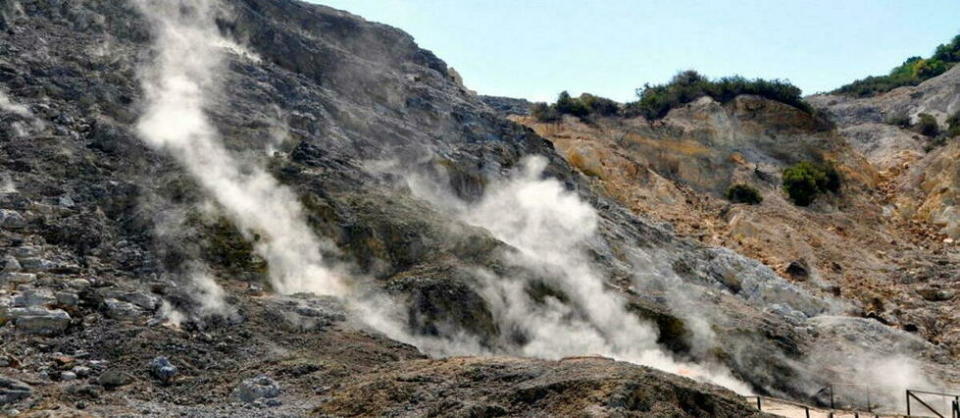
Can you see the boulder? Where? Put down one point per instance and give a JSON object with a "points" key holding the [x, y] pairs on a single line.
{"points": [[37, 320], [11, 219], [143, 300], [13, 390], [17, 278], [256, 388], [121, 311], [34, 297], [10, 264], [67, 298], [162, 369], [934, 294], [113, 378]]}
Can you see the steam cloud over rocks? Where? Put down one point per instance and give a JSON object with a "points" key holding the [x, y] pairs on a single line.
{"points": [[550, 227], [178, 85]]}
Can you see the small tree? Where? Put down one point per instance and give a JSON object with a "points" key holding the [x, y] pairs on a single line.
{"points": [[901, 120], [543, 112], [570, 106], [804, 181], [599, 105], [953, 124], [742, 193]]}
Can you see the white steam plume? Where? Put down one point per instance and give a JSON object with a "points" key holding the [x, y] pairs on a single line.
{"points": [[178, 86], [6, 184], [550, 228], [10, 106]]}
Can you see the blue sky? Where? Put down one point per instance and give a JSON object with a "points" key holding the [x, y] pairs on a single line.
{"points": [[536, 48]]}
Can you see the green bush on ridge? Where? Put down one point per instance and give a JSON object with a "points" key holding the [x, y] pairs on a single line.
{"points": [[655, 101], [913, 71], [581, 107]]}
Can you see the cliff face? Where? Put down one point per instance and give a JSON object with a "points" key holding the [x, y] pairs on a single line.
{"points": [[128, 237]]}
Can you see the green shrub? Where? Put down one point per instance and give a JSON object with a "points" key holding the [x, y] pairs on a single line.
{"points": [[913, 71], [742, 193], [804, 181], [543, 112], [900, 119], [656, 101], [953, 124], [599, 105], [927, 125], [581, 107], [569, 106]]}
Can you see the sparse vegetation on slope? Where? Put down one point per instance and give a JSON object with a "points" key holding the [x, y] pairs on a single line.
{"points": [[913, 71], [657, 100]]}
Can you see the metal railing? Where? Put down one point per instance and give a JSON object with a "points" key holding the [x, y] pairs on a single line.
{"points": [[954, 403], [911, 395]]}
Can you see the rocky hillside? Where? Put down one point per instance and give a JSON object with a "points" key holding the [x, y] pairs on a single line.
{"points": [[866, 244], [265, 207]]}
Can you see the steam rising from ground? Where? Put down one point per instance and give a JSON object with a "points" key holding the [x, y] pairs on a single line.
{"points": [[27, 124], [179, 87], [8, 105], [550, 227]]}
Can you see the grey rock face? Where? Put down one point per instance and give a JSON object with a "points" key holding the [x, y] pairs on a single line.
{"points": [[255, 388]]}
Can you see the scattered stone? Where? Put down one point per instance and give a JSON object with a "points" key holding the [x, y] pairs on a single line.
{"points": [[67, 299], [256, 388], [10, 264], [114, 378], [273, 403], [78, 284], [34, 297], [37, 264], [11, 219], [121, 310], [41, 321], [13, 390], [933, 294], [17, 278], [162, 369], [142, 300], [68, 376], [81, 371], [84, 389], [25, 251]]}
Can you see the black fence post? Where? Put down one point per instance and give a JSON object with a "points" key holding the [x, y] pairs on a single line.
{"points": [[831, 398], [908, 402], [759, 407]]}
